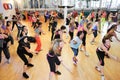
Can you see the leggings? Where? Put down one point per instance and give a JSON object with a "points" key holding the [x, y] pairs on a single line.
{"points": [[19, 32], [95, 33], [14, 23], [53, 61], [38, 41], [71, 35], [101, 56], [45, 17], [6, 52], [52, 34], [50, 25], [21, 54]]}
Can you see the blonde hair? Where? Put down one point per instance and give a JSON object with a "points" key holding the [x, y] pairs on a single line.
{"points": [[55, 46]]}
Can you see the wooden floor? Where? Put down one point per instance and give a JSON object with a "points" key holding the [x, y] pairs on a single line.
{"points": [[85, 69]]}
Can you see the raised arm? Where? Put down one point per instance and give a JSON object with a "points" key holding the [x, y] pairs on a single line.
{"points": [[109, 54], [114, 34]]}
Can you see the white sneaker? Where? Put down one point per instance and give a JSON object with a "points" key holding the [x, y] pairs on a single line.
{"points": [[102, 77], [8, 61], [92, 42], [97, 68], [86, 53], [75, 61], [81, 49]]}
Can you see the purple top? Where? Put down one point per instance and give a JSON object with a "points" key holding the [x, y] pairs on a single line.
{"points": [[3, 27]]}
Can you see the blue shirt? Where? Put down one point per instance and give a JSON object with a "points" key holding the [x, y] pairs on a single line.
{"points": [[82, 22], [78, 40], [95, 26]]}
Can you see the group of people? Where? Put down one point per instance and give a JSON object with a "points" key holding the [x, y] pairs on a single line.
{"points": [[84, 25]]}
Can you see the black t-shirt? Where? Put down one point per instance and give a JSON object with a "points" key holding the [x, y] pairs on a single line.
{"points": [[22, 44], [54, 25], [6, 40]]}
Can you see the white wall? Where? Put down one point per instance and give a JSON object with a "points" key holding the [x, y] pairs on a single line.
{"points": [[8, 13]]}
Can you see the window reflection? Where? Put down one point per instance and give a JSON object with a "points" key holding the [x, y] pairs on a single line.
{"points": [[79, 4]]}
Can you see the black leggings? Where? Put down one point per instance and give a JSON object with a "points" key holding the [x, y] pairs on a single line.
{"points": [[50, 25], [6, 52], [53, 61], [101, 56], [14, 23], [21, 54], [45, 17], [33, 24], [84, 41], [71, 35], [52, 34], [95, 33]]}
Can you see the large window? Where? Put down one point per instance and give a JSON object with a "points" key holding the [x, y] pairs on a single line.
{"points": [[79, 4], [97, 4]]}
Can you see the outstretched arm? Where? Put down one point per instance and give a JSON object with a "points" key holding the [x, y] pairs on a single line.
{"points": [[110, 55], [116, 37]]}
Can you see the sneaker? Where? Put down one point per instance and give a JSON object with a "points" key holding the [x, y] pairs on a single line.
{"points": [[102, 77], [25, 75], [58, 72], [86, 53], [75, 61], [92, 42], [97, 68], [30, 65], [81, 49], [8, 61]]}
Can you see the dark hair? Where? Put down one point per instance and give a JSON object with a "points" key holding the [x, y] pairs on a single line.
{"points": [[39, 23], [104, 39], [112, 27], [63, 27], [88, 25], [6, 17], [97, 20], [13, 16], [23, 27], [51, 52], [98, 10], [79, 33], [8, 23]]}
